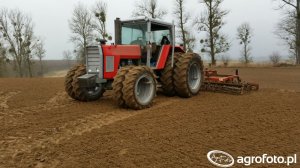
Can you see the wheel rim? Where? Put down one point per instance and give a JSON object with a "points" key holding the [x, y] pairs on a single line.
{"points": [[144, 89], [194, 78]]}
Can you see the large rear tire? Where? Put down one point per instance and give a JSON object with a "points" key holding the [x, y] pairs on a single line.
{"points": [[188, 75], [118, 85], [139, 88], [72, 86], [167, 76]]}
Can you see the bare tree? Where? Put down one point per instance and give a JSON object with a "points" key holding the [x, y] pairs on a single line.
{"points": [[275, 58], [289, 27], [100, 12], [3, 60], [30, 53], [40, 54], [82, 28], [244, 34], [182, 19], [190, 42], [68, 57], [77, 54], [148, 8], [16, 29], [286, 30], [211, 22]]}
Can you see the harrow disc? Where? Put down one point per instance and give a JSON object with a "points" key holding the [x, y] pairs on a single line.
{"points": [[231, 88]]}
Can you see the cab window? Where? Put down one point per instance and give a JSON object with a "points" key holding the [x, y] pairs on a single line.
{"points": [[158, 35], [134, 34]]}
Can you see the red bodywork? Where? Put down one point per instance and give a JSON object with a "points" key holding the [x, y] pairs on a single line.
{"points": [[124, 52], [119, 52], [165, 51]]}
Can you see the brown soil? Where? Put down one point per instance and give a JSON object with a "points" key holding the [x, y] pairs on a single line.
{"points": [[42, 127]]}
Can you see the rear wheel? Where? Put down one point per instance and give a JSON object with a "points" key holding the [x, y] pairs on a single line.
{"points": [[188, 75], [167, 76], [72, 86], [139, 88]]}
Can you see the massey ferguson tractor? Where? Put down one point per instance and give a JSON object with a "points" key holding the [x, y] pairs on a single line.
{"points": [[143, 58]]}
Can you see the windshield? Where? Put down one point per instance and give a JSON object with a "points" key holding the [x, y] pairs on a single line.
{"points": [[134, 34]]}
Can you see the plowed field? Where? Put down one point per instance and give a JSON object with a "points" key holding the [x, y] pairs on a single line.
{"points": [[40, 126]]}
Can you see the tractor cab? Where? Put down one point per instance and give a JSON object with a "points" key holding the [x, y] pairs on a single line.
{"points": [[155, 38]]}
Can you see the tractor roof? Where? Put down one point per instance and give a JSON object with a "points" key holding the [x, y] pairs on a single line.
{"points": [[156, 24]]}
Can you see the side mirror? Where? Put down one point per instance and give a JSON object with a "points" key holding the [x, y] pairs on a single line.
{"points": [[101, 41]]}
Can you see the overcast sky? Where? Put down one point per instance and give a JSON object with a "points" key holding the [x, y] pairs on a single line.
{"points": [[51, 21]]}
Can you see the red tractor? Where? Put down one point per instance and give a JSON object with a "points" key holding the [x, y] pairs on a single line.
{"points": [[143, 57]]}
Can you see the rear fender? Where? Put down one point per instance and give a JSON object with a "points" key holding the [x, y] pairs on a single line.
{"points": [[164, 54]]}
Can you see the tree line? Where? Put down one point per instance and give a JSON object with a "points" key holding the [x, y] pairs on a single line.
{"points": [[288, 28], [19, 45], [209, 23]]}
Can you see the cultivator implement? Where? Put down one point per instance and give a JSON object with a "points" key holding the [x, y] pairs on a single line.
{"points": [[231, 84]]}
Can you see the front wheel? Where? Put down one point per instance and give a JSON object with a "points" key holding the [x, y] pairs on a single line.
{"points": [[139, 88], [74, 90]]}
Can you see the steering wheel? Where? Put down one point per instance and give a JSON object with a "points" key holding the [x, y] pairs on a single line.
{"points": [[138, 41]]}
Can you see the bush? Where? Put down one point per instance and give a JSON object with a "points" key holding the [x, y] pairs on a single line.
{"points": [[275, 58], [225, 59]]}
